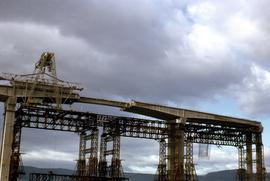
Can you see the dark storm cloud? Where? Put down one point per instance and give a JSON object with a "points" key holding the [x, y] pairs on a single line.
{"points": [[134, 50], [112, 27], [158, 51]]}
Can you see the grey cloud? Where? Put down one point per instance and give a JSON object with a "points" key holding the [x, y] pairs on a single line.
{"points": [[245, 23], [45, 163], [114, 31], [129, 42], [35, 139], [129, 51], [252, 93], [267, 157]]}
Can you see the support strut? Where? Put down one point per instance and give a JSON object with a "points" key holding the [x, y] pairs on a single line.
{"points": [[190, 172], [162, 174], [92, 164], [249, 160], [81, 161], [7, 140], [241, 172]]}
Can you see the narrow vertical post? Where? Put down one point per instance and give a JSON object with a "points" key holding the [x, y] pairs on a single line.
{"points": [[93, 158], [241, 172], [8, 130], [190, 172], [162, 172], [81, 161], [15, 159], [102, 166], [249, 157], [171, 150], [259, 159], [116, 162]]}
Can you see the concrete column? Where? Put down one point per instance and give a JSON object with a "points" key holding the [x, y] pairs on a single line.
{"points": [[8, 127], [259, 159], [249, 157], [176, 151]]}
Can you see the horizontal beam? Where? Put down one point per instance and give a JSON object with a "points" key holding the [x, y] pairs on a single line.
{"points": [[147, 109], [74, 121], [171, 113], [104, 102], [44, 93]]}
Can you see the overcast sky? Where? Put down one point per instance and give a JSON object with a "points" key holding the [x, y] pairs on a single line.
{"points": [[205, 55]]}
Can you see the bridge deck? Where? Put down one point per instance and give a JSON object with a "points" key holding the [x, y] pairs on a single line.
{"points": [[171, 113]]}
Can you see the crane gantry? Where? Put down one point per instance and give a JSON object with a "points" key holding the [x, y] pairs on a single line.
{"points": [[45, 81]]}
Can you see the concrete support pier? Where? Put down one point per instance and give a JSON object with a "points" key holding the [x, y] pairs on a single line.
{"points": [[8, 129], [176, 151]]}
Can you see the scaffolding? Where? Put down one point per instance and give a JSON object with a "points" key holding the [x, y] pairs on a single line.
{"points": [[162, 174], [190, 171], [172, 165]]}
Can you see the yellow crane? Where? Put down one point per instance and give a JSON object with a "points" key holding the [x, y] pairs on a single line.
{"points": [[44, 80]]}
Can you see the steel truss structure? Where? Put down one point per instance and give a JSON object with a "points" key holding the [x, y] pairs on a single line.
{"points": [[87, 124]]}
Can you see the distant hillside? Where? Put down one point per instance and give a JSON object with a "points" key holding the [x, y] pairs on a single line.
{"points": [[226, 175], [139, 177]]}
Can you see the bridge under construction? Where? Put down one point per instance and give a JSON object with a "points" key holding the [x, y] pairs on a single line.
{"points": [[36, 101]]}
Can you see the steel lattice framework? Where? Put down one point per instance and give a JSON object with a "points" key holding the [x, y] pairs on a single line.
{"points": [[205, 132], [86, 123]]}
